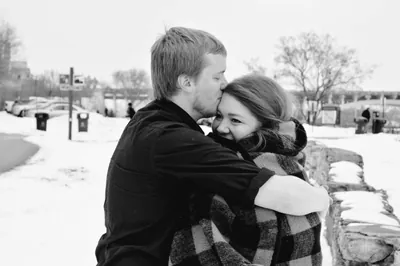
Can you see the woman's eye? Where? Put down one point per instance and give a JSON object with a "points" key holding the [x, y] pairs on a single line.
{"points": [[235, 121], [217, 78], [218, 116]]}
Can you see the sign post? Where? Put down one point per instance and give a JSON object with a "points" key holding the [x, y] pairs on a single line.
{"points": [[383, 106], [70, 83], [70, 99]]}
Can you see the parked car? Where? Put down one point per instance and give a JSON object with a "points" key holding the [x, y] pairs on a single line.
{"points": [[22, 106], [8, 106], [55, 109]]}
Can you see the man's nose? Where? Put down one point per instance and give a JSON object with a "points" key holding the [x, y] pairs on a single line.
{"points": [[224, 83]]}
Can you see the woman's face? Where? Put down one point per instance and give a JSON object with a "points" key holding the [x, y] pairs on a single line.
{"points": [[234, 120]]}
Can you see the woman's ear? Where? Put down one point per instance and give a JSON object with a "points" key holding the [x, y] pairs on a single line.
{"points": [[185, 83]]}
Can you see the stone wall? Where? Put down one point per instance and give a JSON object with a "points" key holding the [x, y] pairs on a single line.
{"points": [[361, 226]]}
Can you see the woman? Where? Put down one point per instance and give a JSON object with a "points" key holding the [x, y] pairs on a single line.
{"points": [[254, 119]]}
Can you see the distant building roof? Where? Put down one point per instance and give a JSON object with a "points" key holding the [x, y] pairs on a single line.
{"points": [[19, 69], [19, 64]]}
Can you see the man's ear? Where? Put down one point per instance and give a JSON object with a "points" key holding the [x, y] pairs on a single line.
{"points": [[185, 83]]}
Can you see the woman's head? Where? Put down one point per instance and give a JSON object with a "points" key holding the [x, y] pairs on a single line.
{"points": [[249, 104]]}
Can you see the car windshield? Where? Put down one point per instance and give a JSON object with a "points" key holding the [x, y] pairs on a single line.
{"points": [[45, 105], [23, 101]]}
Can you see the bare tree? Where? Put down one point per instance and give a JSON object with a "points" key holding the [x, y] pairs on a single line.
{"points": [[133, 78], [317, 65], [253, 66], [91, 82], [9, 45], [119, 79], [139, 78], [50, 81]]}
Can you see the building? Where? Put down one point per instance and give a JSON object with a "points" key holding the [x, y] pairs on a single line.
{"points": [[19, 70]]}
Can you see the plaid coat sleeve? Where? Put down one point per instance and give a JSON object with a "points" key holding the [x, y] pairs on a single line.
{"points": [[230, 235]]}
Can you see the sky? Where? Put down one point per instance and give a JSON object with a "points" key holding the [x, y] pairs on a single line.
{"points": [[97, 37]]}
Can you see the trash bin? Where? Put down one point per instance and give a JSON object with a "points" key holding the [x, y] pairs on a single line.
{"points": [[377, 125], [83, 122], [361, 125], [41, 121]]}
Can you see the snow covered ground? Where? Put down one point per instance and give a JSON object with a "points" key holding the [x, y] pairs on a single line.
{"points": [[51, 208], [380, 152]]}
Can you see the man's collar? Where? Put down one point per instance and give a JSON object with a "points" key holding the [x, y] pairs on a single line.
{"points": [[181, 114]]}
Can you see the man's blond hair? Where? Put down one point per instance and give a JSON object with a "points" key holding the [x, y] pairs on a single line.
{"points": [[180, 51]]}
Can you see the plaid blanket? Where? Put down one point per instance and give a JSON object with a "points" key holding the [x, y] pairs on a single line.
{"points": [[221, 233]]}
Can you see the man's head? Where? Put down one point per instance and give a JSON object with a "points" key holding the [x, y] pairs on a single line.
{"points": [[191, 63]]}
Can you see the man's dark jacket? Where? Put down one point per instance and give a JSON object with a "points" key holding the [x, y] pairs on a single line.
{"points": [[160, 160], [366, 114], [131, 112]]}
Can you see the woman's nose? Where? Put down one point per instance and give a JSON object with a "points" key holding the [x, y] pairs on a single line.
{"points": [[223, 128]]}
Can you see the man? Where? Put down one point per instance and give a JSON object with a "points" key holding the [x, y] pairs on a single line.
{"points": [[130, 112], [366, 114], [163, 157]]}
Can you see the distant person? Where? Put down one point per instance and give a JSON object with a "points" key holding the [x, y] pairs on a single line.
{"points": [[105, 112], [366, 114], [130, 112]]}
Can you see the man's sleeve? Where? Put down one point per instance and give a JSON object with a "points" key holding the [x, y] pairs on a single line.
{"points": [[189, 155]]}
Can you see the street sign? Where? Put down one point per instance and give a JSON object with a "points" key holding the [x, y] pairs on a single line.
{"points": [[64, 79], [79, 81], [69, 88], [65, 87]]}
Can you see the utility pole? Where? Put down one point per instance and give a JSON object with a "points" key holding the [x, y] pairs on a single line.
{"points": [[71, 83], [383, 106]]}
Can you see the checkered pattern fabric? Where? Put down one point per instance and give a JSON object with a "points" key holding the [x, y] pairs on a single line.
{"points": [[221, 233]]}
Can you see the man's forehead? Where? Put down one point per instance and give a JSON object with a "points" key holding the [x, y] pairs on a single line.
{"points": [[215, 62]]}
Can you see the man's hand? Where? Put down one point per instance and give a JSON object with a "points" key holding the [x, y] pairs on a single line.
{"points": [[291, 195]]}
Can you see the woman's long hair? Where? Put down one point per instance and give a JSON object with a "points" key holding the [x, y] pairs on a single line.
{"points": [[265, 99]]}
